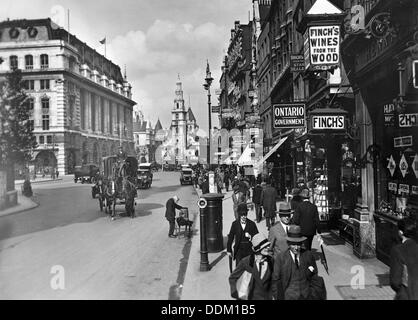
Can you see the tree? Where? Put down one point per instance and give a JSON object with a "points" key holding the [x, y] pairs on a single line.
{"points": [[16, 135]]}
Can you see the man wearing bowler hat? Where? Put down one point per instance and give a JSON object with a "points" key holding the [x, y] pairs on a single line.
{"points": [[260, 265], [293, 269], [241, 233], [278, 232], [306, 216]]}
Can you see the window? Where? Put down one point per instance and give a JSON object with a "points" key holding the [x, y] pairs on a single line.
{"points": [[177, 116], [45, 84], [49, 139], [41, 139], [29, 84], [31, 125], [31, 103], [13, 62], [45, 122], [45, 103], [44, 61], [28, 62]]}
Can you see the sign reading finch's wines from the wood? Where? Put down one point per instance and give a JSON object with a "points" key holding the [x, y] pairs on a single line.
{"points": [[324, 47]]}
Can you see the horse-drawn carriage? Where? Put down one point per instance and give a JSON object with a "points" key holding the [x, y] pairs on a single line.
{"points": [[117, 185]]}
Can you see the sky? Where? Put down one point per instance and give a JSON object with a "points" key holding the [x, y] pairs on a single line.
{"points": [[157, 40]]}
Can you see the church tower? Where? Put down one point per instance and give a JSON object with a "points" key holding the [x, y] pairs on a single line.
{"points": [[179, 124]]}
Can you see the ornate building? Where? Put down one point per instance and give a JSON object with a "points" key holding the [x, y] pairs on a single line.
{"points": [[144, 137], [82, 105]]}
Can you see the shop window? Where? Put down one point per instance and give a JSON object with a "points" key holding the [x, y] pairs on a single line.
{"points": [[13, 62], [44, 61], [28, 62]]}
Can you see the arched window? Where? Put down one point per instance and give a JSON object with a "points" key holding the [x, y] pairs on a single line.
{"points": [[28, 62], [13, 62], [45, 103], [44, 61]]}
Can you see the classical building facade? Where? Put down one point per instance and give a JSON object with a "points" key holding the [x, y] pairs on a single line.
{"points": [[81, 102]]}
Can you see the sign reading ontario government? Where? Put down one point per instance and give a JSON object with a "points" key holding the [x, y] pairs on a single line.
{"points": [[289, 115]]}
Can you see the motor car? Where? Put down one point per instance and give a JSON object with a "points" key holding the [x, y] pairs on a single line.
{"points": [[86, 173], [144, 176], [186, 176]]}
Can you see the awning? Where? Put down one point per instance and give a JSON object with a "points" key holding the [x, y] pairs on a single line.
{"points": [[281, 141], [245, 159]]}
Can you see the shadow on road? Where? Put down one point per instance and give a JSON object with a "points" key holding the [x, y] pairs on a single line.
{"points": [[145, 209]]}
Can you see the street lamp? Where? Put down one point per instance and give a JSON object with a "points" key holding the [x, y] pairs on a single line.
{"points": [[207, 85]]}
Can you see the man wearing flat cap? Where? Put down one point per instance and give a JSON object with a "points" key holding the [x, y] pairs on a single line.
{"points": [[278, 232], [260, 265], [241, 232], [293, 269]]}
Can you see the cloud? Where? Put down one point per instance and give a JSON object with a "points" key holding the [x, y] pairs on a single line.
{"points": [[154, 57]]}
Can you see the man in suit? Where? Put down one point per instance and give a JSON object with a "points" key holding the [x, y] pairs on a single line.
{"points": [[278, 232], [293, 269], [241, 232], [260, 265], [268, 203], [404, 262], [306, 216], [170, 214], [258, 189]]}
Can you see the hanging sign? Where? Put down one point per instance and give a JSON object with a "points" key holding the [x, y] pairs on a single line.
{"points": [[407, 120], [297, 63], [392, 186], [216, 109], [400, 142], [391, 165], [324, 47], [414, 190], [403, 166], [389, 116], [415, 165], [328, 122], [289, 115], [403, 188]]}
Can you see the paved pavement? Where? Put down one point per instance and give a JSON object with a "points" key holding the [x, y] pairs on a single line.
{"points": [[344, 281], [25, 203]]}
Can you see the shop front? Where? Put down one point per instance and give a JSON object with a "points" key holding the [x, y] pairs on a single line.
{"points": [[381, 65]]}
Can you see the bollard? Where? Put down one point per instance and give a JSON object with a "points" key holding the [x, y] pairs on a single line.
{"points": [[213, 223], [204, 261]]}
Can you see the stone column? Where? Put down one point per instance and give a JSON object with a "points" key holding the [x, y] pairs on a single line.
{"points": [[364, 245]]}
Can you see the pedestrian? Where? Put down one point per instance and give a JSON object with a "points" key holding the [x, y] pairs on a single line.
{"points": [[268, 203], [170, 214], [205, 185], [306, 216], [260, 265], [238, 197], [278, 232], [293, 269], [296, 198], [58, 173], [258, 189], [404, 261], [241, 232], [226, 180]]}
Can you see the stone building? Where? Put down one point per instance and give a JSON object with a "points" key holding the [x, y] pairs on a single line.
{"points": [[81, 102]]}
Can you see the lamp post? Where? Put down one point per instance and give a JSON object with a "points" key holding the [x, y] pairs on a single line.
{"points": [[207, 85]]}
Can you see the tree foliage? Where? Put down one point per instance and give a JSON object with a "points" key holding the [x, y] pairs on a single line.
{"points": [[16, 135]]}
